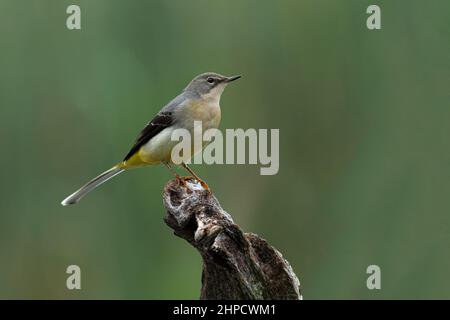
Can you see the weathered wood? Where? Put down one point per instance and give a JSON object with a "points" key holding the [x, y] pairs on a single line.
{"points": [[236, 265]]}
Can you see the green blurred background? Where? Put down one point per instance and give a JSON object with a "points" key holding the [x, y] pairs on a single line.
{"points": [[364, 155]]}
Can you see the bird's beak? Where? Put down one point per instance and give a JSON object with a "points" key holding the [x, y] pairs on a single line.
{"points": [[232, 78]]}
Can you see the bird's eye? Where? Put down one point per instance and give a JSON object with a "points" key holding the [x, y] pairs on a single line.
{"points": [[210, 80]]}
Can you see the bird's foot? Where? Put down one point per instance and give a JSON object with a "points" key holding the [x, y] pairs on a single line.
{"points": [[183, 180], [204, 185]]}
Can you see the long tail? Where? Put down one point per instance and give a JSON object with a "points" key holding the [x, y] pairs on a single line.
{"points": [[91, 185]]}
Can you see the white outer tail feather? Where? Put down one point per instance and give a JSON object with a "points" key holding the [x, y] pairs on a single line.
{"points": [[91, 185]]}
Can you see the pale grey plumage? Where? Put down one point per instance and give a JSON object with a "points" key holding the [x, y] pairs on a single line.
{"points": [[153, 143]]}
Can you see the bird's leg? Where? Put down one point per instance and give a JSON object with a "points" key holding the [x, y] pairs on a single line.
{"points": [[177, 176], [203, 183]]}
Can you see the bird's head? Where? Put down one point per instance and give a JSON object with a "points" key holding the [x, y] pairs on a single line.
{"points": [[209, 84]]}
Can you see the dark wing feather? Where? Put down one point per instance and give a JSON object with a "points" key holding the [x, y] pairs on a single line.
{"points": [[158, 124]]}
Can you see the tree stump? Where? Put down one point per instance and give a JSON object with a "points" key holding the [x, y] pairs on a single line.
{"points": [[236, 265]]}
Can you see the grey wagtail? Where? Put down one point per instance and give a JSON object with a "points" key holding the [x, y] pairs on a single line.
{"points": [[199, 101]]}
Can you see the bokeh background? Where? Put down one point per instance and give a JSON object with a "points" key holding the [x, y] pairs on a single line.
{"points": [[364, 128]]}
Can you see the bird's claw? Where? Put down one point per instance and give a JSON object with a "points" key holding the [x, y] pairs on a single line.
{"points": [[181, 180], [204, 185]]}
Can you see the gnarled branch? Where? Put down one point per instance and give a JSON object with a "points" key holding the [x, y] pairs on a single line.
{"points": [[236, 265]]}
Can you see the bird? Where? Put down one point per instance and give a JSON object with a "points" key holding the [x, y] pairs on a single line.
{"points": [[199, 101]]}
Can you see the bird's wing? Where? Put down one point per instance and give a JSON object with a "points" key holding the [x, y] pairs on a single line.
{"points": [[162, 120]]}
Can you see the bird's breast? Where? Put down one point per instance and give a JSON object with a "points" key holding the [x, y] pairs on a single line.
{"points": [[159, 148], [207, 112]]}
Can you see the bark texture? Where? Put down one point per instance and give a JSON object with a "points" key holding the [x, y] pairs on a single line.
{"points": [[236, 265]]}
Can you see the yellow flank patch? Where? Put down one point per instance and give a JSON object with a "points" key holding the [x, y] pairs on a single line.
{"points": [[139, 159], [134, 161]]}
